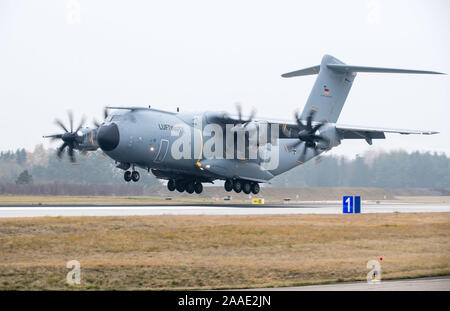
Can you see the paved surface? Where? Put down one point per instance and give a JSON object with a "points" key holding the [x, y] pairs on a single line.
{"points": [[38, 211], [422, 284]]}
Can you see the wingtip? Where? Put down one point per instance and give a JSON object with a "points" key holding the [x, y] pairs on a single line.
{"points": [[430, 133]]}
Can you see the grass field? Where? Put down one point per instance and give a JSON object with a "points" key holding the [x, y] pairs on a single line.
{"points": [[179, 252]]}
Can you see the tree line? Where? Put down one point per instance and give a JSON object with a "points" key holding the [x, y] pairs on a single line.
{"points": [[395, 169], [41, 166]]}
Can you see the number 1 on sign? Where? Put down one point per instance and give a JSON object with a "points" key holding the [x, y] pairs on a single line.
{"points": [[347, 204], [348, 201]]}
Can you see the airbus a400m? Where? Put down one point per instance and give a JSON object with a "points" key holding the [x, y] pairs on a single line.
{"points": [[189, 149]]}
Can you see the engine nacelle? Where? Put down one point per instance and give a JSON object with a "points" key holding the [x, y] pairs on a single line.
{"points": [[329, 132], [87, 140]]}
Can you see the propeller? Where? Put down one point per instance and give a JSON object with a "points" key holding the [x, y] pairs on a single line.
{"points": [[306, 133], [70, 139], [105, 115], [241, 121]]}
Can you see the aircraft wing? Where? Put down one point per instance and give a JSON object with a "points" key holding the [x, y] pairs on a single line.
{"points": [[368, 133], [358, 132], [289, 128]]}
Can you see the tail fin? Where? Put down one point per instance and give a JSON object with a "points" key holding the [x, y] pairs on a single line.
{"points": [[333, 84]]}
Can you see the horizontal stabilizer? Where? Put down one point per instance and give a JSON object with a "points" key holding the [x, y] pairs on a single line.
{"points": [[302, 72], [347, 68]]}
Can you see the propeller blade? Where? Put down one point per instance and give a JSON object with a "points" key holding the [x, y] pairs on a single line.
{"points": [[301, 158], [239, 110], [70, 120], [304, 151], [105, 113], [317, 127], [96, 123], [58, 122], [300, 125], [293, 145], [71, 155], [60, 150], [53, 137], [310, 118], [285, 131], [252, 115], [83, 120]]}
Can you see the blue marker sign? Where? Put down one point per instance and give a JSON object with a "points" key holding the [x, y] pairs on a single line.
{"points": [[347, 205], [357, 204], [351, 204]]}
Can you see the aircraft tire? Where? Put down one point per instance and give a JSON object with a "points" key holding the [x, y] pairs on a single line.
{"points": [[127, 176], [255, 188], [198, 187], [190, 187], [237, 186], [135, 176], [171, 185], [228, 185], [247, 187], [180, 186]]}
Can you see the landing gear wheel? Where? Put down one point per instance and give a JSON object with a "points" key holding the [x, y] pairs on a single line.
{"points": [[198, 187], [127, 176], [190, 187], [135, 176], [237, 186], [228, 185], [247, 187], [171, 185], [180, 186], [255, 188]]}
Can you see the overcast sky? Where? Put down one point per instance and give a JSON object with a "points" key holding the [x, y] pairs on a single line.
{"points": [[200, 55]]}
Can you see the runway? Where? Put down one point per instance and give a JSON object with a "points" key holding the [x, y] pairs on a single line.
{"points": [[204, 209], [421, 284]]}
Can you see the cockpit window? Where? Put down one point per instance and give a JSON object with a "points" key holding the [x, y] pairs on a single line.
{"points": [[116, 117], [123, 117]]}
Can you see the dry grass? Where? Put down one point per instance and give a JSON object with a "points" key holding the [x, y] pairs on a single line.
{"points": [[94, 200], [424, 199], [173, 252]]}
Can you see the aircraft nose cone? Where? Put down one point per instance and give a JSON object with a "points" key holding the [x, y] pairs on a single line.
{"points": [[108, 137]]}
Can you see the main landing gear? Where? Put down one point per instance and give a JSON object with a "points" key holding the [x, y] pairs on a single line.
{"points": [[190, 186], [131, 176], [239, 185]]}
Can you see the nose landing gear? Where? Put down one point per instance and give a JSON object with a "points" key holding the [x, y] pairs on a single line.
{"points": [[131, 176], [135, 176], [127, 176]]}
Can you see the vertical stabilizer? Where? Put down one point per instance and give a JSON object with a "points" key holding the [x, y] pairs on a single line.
{"points": [[329, 91]]}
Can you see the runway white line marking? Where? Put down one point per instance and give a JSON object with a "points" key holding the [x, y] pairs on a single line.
{"points": [[209, 210]]}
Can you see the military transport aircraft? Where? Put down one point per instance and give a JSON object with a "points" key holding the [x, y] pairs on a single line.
{"points": [[189, 149]]}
